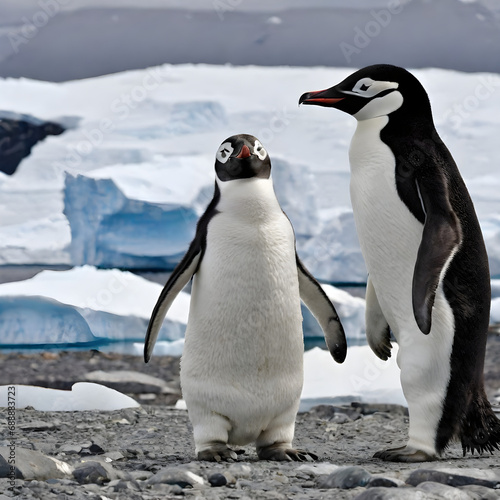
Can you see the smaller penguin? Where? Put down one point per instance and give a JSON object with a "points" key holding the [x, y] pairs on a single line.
{"points": [[242, 365], [428, 270]]}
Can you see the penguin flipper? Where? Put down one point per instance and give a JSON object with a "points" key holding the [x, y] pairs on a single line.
{"points": [[324, 311], [377, 329], [177, 281], [441, 238]]}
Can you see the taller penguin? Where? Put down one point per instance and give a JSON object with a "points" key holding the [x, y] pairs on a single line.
{"points": [[428, 269]]}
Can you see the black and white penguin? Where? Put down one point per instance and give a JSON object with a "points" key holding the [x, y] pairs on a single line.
{"points": [[428, 269], [242, 365]]}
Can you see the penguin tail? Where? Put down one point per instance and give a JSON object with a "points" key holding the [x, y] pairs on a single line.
{"points": [[480, 430]]}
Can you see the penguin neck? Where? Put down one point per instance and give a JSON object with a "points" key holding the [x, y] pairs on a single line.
{"points": [[366, 142], [253, 198]]}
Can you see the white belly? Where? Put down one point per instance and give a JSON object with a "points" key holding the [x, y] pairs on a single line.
{"points": [[390, 236], [243, 353], [388, 232]]}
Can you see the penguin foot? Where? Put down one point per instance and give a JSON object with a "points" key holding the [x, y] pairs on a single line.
{"points": [[404, 454], [218, 452], [280, 452]]}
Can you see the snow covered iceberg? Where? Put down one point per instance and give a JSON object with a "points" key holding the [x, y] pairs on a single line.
{"points": [[143, 216], [83, 307]]}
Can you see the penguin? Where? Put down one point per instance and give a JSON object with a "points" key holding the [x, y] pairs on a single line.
{"points": [[428, 278], [242, 364]]}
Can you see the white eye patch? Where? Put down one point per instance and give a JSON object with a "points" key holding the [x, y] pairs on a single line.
{"points": [[259, 150], [224, 152], [366, 87]]}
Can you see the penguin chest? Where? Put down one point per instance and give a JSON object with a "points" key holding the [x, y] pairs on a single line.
{"points": [[245, 322], [388, 232]]}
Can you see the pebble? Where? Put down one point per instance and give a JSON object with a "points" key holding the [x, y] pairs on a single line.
{"points": [[346, 478], [381, 481], [175, 475], [444, 491], [480, 492], [217, 479], [94, 472], [380, 493], [31, 464], [240, 470], [422, 475]]}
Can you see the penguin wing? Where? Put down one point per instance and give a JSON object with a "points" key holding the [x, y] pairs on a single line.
{"points": [[177, 281], [324, 311], [441, 238], [377, 329]]}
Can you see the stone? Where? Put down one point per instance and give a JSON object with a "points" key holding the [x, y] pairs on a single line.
{"points": [[33, 465], [381, 493], [94, 472], [480, 492], [381, 481], [174, 475], [240, 471], [346, 478], [217, 479], [317, 469], [37, 426], [444, 491], [128, 381], [422, 475], [70, 449]]}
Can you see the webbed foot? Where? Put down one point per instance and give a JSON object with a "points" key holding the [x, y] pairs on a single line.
{"points": [[281, 452], [217, 453], [405, 454]]}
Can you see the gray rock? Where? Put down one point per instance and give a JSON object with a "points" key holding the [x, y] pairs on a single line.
{"points": [[381, 481], [346, 478], [94, 472], [37, 426], [443, 491], [480, 492], [240, 471], [380, 493], [422, 475], [130, 381], [174, 475], [70, 449], [120, 485], [217, 479], [33, 465]]}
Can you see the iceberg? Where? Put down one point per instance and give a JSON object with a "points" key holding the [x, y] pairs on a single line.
{"points": [[84, 307]]}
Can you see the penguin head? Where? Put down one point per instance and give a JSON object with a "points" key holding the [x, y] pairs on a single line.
{"points": [[242, 157], [374, 91]]}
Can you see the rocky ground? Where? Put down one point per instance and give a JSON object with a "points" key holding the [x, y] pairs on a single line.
{"points": [[148, 452]]}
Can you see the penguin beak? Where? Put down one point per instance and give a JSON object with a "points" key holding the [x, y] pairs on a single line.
{"points": [[245, 152], [327, 98]]}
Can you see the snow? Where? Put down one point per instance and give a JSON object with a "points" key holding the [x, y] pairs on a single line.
{"points": [[83, 396]]}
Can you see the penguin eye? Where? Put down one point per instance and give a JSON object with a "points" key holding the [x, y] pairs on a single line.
{"points": [[366, 87], [362, 86], [259, 150], [224, 152]]}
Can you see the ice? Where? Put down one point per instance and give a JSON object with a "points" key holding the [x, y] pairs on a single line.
{"points": [[83, 396], [362, 377], [84, 306]]}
